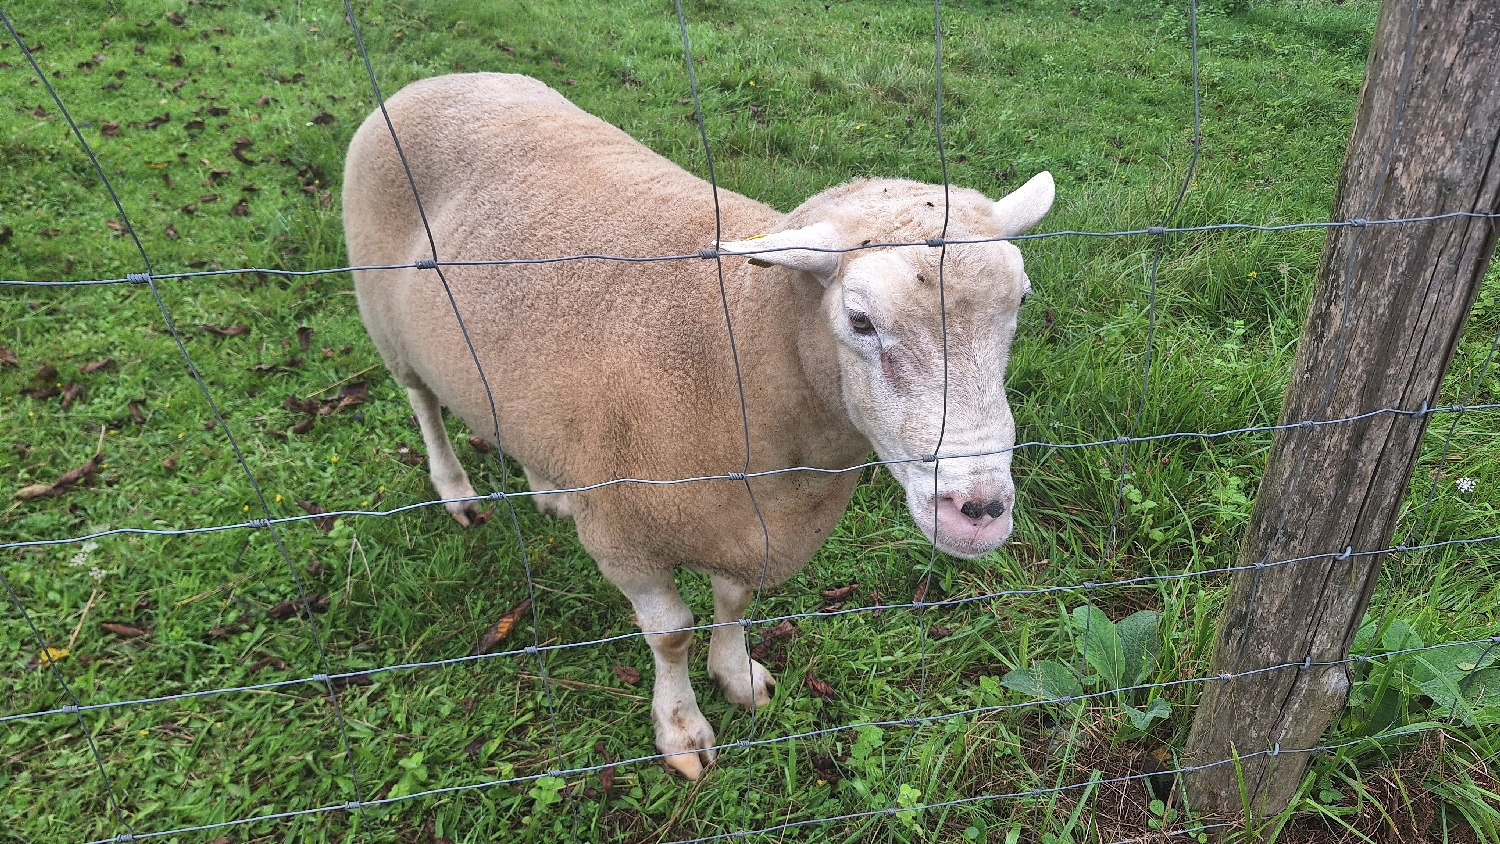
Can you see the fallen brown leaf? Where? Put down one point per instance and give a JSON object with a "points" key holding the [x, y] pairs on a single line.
{"points": [[47, 373], [324, 524], [785, 630], [324, 118], [240, 209], [305, 337], [352, 394], [91, 368], [194, 126], [287, 609], [175, 19], [110, 129], [170, 464], [304, 426], [480, 444], [297, 405], [172, 232], [840, 593], [818, 688], [41, 393], [63, 483], [497, 632], [606, 773], [938, 631], [115, 225], [921, 590], [876, 600], [135, 411], [157, 121], [8, 357], [209, 197], [627, 675], [411, 457], [123, 629], [473, 747], [340, 683], [70, 394], [190, 208], [231, 331]]}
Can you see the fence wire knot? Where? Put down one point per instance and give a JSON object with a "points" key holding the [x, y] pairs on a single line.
{"points": [[1276, 749], [353, 806], [426, 264], [259, 523], [1348, 549], [1307, 663], [1226, 676], [935, 242], [1122, 440], [70, 709], [708, 254], [1495, 640], [745, 622], [1400, 549], [138, 278], [1359, 222], [736, 476], [530, 650], [496, 496], [929, 458], [125, 836], [1157, 230]]}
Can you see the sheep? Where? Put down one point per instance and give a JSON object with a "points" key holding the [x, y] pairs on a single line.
{"points": [[602, 370]]}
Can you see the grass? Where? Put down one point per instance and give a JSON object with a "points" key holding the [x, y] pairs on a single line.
{"points": [[798, 97]]}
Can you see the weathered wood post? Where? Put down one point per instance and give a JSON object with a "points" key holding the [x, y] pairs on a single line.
{"points": [[1386, 313]]}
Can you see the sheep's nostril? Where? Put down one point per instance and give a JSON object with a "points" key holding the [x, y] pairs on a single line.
{"points": [[996, 509], [972, 509]]}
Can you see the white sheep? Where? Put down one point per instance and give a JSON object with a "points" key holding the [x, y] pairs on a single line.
{"points": [[602, 370]]}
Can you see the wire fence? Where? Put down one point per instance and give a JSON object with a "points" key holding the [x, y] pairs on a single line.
{"points": [[330, 682]]}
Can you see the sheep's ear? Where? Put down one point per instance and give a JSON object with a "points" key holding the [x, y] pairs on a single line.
{"points": [[1026, 205], [823, 265]]}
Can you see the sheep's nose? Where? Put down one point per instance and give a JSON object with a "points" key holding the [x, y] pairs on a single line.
{"points": [[976, 510]]}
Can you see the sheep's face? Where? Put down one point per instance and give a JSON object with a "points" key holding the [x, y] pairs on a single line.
{"points": [[892, 345], [923, 338]]}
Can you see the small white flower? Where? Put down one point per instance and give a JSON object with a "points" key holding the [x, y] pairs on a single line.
{"points": [[82, 557], [97, 573], [1465, 484]]}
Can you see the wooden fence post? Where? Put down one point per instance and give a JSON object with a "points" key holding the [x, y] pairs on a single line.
{"points": [[1386, 314]]}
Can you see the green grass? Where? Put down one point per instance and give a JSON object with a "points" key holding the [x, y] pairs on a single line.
{"points": [[1098, 92]]}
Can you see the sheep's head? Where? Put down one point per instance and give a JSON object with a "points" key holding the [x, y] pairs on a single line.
{"points": [[923, 336]]}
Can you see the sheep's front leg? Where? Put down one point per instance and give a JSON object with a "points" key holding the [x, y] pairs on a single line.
{"points": [[743, 680], [681, 729], [448, 476]]}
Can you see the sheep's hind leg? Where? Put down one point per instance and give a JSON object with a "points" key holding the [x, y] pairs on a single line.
{"points": [[557, 505], [681, 730], [448, 476], [743, 680]]}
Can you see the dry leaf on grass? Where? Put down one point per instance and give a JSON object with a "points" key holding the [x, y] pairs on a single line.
{"points": [[352, 394], [341, 683], [8, 357], [325, 523], [231, 331], [46, 373], [496, 633], [170, 464], [408, 455], [473, 747], [42, 393], [818, 688], [63, 483], [606, 773], [288, 609], [921, 590], [91, 368], [304, 426], [70, 394], [938, 631], [135, 411], [840, 593], [785, 630], [627, 675], [304, 337], [123, 629], [46, 657]]}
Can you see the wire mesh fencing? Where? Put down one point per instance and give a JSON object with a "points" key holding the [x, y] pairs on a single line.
{"points": [[904, 810]]}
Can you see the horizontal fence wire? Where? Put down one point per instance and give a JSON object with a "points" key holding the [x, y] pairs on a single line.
{"points": [[501, 495], [326, 681], [710, 254]]}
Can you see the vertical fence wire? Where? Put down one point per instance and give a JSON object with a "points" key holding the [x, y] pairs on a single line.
{"points": [[533, 650]]}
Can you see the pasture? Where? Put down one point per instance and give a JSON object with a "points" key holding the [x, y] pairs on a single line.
{"points": [[222, 128]]}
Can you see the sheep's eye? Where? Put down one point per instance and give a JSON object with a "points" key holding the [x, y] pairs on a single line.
{"points": [[860, 322]]}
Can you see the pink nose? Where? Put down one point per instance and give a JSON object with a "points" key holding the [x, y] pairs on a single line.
{"points": [[977, 521]]}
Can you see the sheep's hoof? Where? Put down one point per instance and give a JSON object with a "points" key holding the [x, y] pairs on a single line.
{"points": [[688, 744], [469, 515]]}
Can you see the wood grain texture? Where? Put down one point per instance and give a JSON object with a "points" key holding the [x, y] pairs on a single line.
{"points": [[1385, 317]]}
